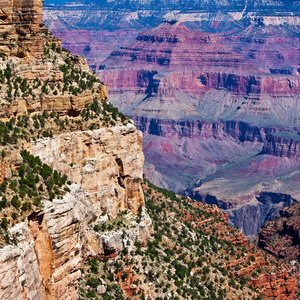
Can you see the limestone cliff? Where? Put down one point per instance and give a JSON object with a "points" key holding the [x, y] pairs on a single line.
{"points": [[50, 224], [45, 262], [107, 163]]}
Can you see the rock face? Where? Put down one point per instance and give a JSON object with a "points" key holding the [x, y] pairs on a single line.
{"points": [[51, 244], [208, 114], [20, 23], [38, 77], [45, 263], [20, 276], [107, 163], [282, 144], [46, 70], [281, 236]]}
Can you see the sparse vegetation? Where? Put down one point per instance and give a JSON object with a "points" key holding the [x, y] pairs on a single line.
{"points": [[30, 183], [193, 254]]}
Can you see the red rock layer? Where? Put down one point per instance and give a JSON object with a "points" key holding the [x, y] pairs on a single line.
{"points": [[281, 236], [195, 61]]}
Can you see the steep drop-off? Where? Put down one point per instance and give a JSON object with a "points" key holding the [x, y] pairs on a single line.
{"points": [[53, 106], [57, 237], [206, 113]]}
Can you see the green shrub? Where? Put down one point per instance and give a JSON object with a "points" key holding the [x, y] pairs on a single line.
{"points": [[4, 223], [15, 202], [92, 282]]}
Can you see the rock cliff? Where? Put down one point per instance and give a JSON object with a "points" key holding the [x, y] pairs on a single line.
{"points": [[107, 163], [46, 261], [20, 23], [281, 236], [54, 106], [283, 144]]}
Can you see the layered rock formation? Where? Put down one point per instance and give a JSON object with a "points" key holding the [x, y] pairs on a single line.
{"points": [[107, 163], [281, 236], [283, 144], [20, 23], [213, 112], [46, 89], [45, 86], [95, 30]]}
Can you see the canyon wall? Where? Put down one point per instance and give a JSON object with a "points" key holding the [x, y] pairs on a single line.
{"points": [[282, 146], [281, 236], [107, 163], [20, 22], [252, 190], [45, 262], [51, 244]]}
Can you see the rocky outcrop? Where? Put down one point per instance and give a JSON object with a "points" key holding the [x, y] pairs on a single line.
{"points": [[107, 163], [278, 286], [35, 71], [116, 241], [278, 145], [20, 23], [51, 243], [281, 236], [21, 14], [46, 261], [47, 255], [44, 83]]}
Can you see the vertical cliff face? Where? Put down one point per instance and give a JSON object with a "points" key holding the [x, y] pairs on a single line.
{"points": [[48, 92], [108, 163], [45, 262], [20, 277], [20, 23], [51, 244]]}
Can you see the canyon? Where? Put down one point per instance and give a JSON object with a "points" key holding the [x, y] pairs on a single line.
{"points": [[226, 129], [77, 219], [220, 124]]}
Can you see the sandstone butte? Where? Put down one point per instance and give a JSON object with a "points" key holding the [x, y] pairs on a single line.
{"points": [[106, 166]]}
